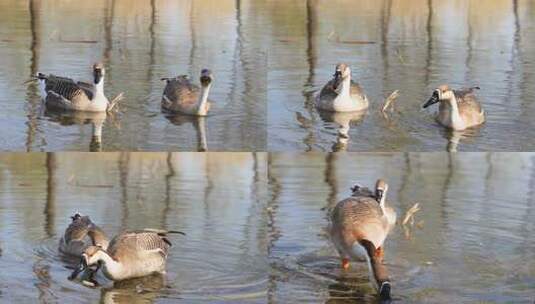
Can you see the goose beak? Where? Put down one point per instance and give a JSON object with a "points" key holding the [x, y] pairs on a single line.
{"points": [[384, 293], [97, 75], [81, 267], [434, 99]]}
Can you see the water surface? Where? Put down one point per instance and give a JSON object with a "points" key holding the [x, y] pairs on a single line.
{"points": [[472, 241], [216, 199], [139, 42], [410, 46]]}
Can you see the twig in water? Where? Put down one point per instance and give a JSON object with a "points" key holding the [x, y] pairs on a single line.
{"points": [[389, 101], [115, 102], [409, 215]]}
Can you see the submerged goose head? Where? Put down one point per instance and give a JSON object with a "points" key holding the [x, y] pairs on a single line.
{"points": [[341, 73], [442, 93], [92, 255], [206, 77], [98, 73]]}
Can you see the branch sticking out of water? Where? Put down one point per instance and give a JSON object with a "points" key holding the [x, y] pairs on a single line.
{"points": [[389, 101], [114, 103], [409, 215]]}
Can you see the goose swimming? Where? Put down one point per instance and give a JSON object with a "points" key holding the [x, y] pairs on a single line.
{"points": [[341, 94], [359, 227], [64, 93], [180, 95], [458, 109], [130, 254]]}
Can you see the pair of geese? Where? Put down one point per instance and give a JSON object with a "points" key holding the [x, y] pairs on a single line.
{"points": [[179, 96], [458, 109], [130, 254]]}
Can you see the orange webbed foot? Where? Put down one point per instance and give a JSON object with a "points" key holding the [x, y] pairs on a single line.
{"points": [[345, 264]]}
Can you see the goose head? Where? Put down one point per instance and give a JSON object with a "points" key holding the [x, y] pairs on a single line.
{"points": [[206, 77], [341, 73], [92, 255], [381, 187], [98, 72], [441, 93]]}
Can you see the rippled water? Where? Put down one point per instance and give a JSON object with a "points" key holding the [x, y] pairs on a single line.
{"points": [[217, 199], [473, 240], [140, 42], [410, 46]]}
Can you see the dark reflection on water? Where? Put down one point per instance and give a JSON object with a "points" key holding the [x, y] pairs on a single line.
{"points": [[216, 198], [410, 46], [472, 241], [139, 43]]}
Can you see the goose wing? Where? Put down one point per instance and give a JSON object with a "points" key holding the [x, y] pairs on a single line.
{"points": [[66, 87], [181, 90], [329, 90], [356, 90], [134, 243], [467, 100]]}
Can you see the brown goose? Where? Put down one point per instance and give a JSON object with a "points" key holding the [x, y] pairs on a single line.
{"points": [[359, 227], [341, 94], [130, 254], [64, 93], [74, 241], [458, 109], [180, 95]]}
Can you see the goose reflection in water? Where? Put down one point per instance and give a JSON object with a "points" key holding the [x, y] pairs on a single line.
{"points": [[70, 118], [139, 290], [455, 137], [345, 120], [198, 122]]}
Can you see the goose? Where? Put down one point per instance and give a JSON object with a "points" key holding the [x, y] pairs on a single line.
{"points": [[181, 96], [64, 93], [130, 254], [458, 109], [74, 241], [341, 94], [359, 227]]}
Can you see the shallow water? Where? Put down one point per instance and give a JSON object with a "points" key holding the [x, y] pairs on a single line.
{"points": [[216, 199], [472, 241], [139, 43], [410, 46]]}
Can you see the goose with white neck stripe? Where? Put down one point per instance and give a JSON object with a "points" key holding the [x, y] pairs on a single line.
{"points": [[341, 94], [359, 227], [458, 109], [130, 254], [182, 96], [66, 94]]}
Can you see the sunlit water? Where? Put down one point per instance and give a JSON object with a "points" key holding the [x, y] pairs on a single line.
{"points": [[473, 240], [216, 199], [410, 46], [139, 42]]}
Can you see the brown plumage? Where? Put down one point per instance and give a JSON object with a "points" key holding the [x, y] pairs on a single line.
{"points": [[359, 227], [182, 96], [80, 234], [458, 109]]}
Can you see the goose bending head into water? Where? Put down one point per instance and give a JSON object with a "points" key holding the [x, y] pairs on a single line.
{"points": [[182, 96], [458, 109], [75, 239], [341, 94], [130, 254], [359, 227], [67, 94]]}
